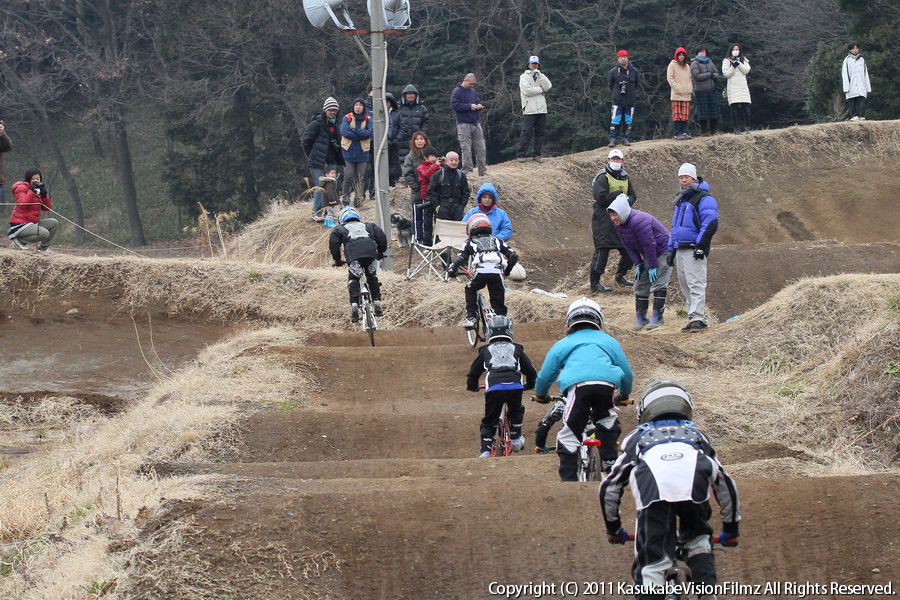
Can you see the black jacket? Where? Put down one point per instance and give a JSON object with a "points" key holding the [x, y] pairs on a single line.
{"points": [[448, 189], [352, 236], [605, 234], [505, 362], [322, 142], [413, 117], [629, 76]]}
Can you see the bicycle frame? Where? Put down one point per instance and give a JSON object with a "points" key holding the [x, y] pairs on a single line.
{"points": [[503, 440], [482, 317], [369, 323]]}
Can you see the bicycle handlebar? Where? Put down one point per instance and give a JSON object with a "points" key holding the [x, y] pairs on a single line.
{"points": [[715, 538]]}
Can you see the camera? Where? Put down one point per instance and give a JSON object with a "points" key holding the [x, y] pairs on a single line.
{"points": [[38, 188], [623, 85]]}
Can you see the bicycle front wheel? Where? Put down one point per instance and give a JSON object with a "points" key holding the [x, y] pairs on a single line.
{"points": [[472, 334]]}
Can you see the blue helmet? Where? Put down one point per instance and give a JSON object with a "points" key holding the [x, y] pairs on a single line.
{"points": [[348, 213]]}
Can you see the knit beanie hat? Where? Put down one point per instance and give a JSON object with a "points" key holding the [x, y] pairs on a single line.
{"points": [[688, 169], [330, 103]]}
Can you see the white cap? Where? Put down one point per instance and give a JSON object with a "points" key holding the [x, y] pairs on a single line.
{"points": [[688, 169], [533, 59], [616, 153]]}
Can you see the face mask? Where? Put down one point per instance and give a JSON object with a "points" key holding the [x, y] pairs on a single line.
{"points": [[735, 53], [615, 165]]}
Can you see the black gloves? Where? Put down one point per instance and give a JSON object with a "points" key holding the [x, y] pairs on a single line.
{"points": [[451, 272], [670, 258], [699, 253]]}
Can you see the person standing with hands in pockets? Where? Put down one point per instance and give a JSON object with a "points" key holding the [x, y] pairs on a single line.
{"points": [[533, 88]]}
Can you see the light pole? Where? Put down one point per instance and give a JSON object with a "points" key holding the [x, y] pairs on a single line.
{"points": [[395, 14]]}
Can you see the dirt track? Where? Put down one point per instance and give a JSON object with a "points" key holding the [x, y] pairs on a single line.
{"points": [[371, 489]]}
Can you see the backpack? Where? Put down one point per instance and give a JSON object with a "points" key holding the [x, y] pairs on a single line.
{"points": [[356, 230]]}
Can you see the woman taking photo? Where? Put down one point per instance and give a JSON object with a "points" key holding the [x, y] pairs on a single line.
{"points": [[26, 225], [735, 67]]}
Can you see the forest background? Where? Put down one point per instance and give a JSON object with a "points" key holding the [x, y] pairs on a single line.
{"points": [[139, 111]]}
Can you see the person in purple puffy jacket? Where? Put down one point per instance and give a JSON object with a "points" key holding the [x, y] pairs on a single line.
{"points": [[646, 240]]}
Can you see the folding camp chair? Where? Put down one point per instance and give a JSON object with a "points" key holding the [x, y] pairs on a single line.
{"points": [[430, 259]]}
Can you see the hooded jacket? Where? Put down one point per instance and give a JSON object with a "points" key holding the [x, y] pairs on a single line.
{"points": [[679, 77], [28, 204], [644, 238], [413, 117], [356, 135], [738, 90], [606, 186], [696, 218], [393, 118], [501, 226], [533, 87], [322, 142], [585, 355], [855, 77]]}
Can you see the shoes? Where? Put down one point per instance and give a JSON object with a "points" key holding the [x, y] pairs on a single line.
{"points": [[520, 159], [694, 326], [543, 450], [626, 142], [379, 311], [747, 130], [318, 218], [686, 135], [606, 466], [469, 323], [642, 321], [620, 279], [655, 322], [600, 288], [485, 454], [682, 136], [43, 247], [854, 118], [737, 131], [862, 118], [518, 444], [538, 159], [612, 143], [15, 243], [483, 174], [354, 313]]}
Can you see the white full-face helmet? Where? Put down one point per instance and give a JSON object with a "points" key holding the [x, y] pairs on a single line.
{"points": [[584, 311]]}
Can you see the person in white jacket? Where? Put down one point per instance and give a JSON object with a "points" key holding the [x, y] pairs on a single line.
{"points": [[533, 88], [735, 67], [855, 76]]}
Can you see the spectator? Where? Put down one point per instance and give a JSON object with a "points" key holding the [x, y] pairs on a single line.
{"points": [[488, 202], [330, 195], [646, 240], [465, 103], [418, 142], [413, 117], [356, 142], [735, 67], [25, 223], [393, 151], [423, 213], [671, 467], [623, 79], [448, 189], [855, 77], [533, 88], [705, 75], [679, 76], [5, 146], [607, 185], [322, 144], [694, 222]]}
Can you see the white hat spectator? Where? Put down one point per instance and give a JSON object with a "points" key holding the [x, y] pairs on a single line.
{"points": [[688, 169], [616, 153]]}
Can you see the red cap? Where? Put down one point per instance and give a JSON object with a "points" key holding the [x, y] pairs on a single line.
{"points": [[622, 53]]}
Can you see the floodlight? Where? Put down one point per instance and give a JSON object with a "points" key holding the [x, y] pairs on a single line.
{"points": [[396, 13], [319, 11]]}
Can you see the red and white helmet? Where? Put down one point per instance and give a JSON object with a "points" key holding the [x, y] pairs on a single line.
{"points": [[478, 221]]}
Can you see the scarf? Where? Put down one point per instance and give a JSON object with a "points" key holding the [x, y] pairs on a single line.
{"points": [[703, 60]]}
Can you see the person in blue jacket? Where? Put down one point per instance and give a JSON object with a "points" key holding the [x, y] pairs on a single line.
{"points": [[694, 222], [356, 144], [590, 366], [488, 203]]}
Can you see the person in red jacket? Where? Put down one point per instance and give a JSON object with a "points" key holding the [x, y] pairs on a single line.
{"points": [[26, 225], [423, 212]]}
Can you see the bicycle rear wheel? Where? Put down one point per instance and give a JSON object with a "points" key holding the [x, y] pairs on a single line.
{"points": [[503, 440], [369, 321]]}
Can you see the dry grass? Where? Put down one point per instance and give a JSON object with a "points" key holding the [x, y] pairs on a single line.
{"points": [[93, 485], [815, 370]]}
